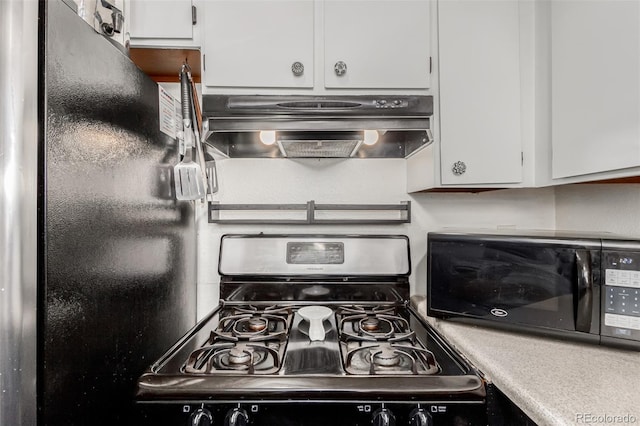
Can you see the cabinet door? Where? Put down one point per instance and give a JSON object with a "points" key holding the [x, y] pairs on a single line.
{"points": [[255, 43], [170, 19], [479, 54], [595, 86], [383, 43]]}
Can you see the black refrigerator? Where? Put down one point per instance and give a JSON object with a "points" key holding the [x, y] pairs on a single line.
{"points": [[98, 258]]}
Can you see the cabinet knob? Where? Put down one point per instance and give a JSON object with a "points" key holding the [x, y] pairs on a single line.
{"points": [[340, 68], [458, 168], [297, 69]]}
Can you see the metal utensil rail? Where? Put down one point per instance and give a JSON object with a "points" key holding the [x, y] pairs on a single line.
{"points": [[404, 209]]}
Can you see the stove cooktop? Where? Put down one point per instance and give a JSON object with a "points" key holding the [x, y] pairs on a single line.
{"points": [[251, 361], [366, 340], [263, 350]]}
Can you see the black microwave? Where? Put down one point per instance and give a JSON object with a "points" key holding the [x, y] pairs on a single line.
{"points": [[557, 284]]}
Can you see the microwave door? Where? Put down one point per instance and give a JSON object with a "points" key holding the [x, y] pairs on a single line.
{"points": [[506, 282]]}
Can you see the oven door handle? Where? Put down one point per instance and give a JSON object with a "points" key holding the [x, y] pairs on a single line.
{"points": [[584, 291]]}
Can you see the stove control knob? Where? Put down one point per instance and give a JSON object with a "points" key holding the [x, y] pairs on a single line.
{"points": [[419, 417], [383, 417], [201, 417], [236, 417]]}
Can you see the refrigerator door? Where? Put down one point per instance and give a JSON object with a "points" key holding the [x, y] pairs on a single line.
{"points": [[117, 283]]}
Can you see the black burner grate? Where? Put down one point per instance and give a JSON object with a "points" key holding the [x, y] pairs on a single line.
{"points": [[247, 339], [377, 340]]}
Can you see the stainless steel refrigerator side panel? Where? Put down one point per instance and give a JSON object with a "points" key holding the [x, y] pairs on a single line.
{"points": [[18, 207], [119, 286]]}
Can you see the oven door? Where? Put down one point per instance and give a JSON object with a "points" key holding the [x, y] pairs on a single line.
{"points": [[515, 281]]}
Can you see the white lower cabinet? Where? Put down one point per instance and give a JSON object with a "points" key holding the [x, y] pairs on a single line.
{"points": [[479, 142], [595, 89]]}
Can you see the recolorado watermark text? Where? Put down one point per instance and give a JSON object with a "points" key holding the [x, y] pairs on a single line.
{"points": [[591, 418]]}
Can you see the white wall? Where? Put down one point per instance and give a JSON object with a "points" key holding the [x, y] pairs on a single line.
{"points": [[506, 209], [357, 181], [288, 181], [599, 208]]}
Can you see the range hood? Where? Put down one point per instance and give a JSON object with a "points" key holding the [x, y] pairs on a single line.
{"points": [[317, 126]]}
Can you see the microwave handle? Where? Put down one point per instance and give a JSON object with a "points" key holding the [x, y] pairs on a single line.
{"points": [[584, 299]]}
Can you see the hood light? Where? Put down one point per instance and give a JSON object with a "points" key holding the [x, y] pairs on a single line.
{"points": [[268, 137], [370, 137]]}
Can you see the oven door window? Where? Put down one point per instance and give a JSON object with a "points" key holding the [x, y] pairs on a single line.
{"points": [[512, 283]]}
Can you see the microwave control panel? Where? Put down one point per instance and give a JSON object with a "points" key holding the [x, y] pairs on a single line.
{"points": [[621, 295]]}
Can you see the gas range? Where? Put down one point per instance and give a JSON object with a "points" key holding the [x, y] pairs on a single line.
{"points": [[313, 330]]}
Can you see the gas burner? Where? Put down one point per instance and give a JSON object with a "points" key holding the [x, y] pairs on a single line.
{"points": [[390, 359], [257, 324], [253, 327], [245, 357], [377, 327], [241, 357], [372, 326], [385, 357], [250, 326]]}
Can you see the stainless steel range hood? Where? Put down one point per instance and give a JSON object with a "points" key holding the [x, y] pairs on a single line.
{"points": [[317, 126]]}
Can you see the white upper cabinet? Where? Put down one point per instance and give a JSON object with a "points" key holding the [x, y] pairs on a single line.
{"points": [[377, 44], [480, 93], [595, 91], [259, 43], [348, 44], [169, 21]]}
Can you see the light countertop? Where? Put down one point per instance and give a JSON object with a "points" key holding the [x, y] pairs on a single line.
{"points": [[554, 382]]}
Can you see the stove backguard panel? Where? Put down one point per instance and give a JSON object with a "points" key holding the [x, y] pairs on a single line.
{"points": [[314, 256]]}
